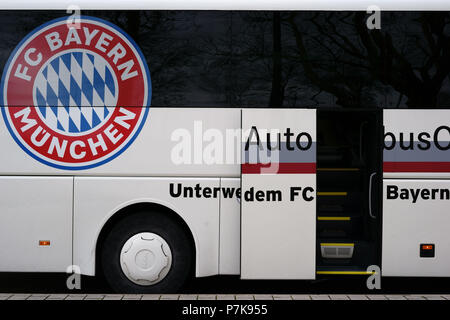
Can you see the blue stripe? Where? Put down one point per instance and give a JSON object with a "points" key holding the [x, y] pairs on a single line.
{"points": [[263, 155], [75, 91], [417, 155], [99, 85]]}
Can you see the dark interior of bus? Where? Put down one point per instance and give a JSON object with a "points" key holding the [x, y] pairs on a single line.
{"points": [[348, 204]]}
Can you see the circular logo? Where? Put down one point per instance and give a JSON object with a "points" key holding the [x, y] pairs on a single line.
{"points": [[75, 97]]}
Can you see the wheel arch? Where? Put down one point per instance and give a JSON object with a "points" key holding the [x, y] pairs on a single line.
{"points": [[128, 209]]}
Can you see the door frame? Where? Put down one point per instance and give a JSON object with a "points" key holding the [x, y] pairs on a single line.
{"points": [[377, 184]]}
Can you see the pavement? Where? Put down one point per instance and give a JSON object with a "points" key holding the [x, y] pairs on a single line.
{"points": [[36, 296]]}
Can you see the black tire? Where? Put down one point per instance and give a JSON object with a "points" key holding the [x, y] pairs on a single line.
{"points": [[160, 224]]}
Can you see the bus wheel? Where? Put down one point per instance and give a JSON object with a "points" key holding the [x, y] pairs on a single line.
{"points": [[146, 252]]}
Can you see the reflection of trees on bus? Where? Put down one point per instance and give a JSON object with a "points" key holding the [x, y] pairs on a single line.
{"points": [[409, 56], [289, 59], [164, 38], [319, 58]]}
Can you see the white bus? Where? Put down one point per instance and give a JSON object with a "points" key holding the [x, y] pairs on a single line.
{"points": [[151, 146]]}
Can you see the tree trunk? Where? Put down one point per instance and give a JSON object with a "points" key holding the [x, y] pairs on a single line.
{"points": [[276, 94], [133, 24]]}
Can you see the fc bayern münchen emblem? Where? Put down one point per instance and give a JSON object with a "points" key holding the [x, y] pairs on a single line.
{"points": [[75, 97]]}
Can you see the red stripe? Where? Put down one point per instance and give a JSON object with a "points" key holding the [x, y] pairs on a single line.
{"points": [[416, 166], [280, 168]]}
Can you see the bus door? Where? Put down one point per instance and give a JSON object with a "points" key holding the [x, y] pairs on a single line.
{"points": [[349, 162], [416, 193], [278, 194]]}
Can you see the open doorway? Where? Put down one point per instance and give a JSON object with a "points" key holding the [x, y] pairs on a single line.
{"points": [[349, 165]]}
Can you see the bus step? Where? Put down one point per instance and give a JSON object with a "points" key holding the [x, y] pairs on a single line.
{"points": [[344, 270], [333, 218], [353, 252], [332, 193], [349, 200], [338, 169], [333, 233], [330, 209], [330, 250], [347, 180], [338, 226]]}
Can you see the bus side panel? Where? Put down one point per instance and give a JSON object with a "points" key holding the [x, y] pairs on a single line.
{"points": [[96, 199], [230, 229], [410, 222], [416, 186], [35, 224], [173, 142], [278, 207]]}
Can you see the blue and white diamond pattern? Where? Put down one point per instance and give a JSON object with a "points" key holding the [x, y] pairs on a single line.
{"points": [[75, 92]]}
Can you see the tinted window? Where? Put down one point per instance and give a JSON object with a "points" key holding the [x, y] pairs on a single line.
{"points": [[289, 59]]}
